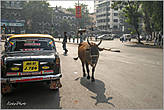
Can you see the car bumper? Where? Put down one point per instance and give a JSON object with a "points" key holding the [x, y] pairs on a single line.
{"points": [[31, 78]]}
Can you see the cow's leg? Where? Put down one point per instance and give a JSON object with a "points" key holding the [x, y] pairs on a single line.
{"points": [[83, 70], [93, 70], [87, 66]]}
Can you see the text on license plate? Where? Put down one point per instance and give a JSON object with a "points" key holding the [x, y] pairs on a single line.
{"points": [[29, 66]]}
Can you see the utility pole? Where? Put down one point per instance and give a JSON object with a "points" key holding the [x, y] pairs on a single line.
{"points": [[52, 21], [78, 25]]}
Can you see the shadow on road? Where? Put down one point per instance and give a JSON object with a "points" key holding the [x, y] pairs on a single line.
{"points": [[31, 96], [97, 87]]}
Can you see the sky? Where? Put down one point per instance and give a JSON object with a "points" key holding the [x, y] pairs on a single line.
{"points": [[70, 4]]}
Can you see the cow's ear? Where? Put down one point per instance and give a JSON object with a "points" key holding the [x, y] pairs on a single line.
{"points": [[100, 49]]}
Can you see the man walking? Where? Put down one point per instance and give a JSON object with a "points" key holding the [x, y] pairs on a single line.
{"points": [[64, 42], [81, 37]]}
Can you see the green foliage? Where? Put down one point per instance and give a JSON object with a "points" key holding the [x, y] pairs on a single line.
{"points": [[148, 12], [36, 12], [85, 20], [131, 13], [152, 16]]}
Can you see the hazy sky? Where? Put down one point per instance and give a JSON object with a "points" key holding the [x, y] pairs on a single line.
{"points": [[70, 4]]}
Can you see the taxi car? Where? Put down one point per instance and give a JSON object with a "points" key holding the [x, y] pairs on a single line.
{"points": [[30, 58]]}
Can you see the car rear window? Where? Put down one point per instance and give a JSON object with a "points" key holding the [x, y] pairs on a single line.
{"points": [[30, 44]]}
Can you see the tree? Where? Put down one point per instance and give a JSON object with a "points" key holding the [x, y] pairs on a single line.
{"points": [[157, 15], [37, 14], [152, 16], [146, 8], [85, 20], [131, 13], [149, 13]]}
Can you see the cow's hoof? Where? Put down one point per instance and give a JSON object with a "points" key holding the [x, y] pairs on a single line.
{"points": [[84, 75], [88, 77], [93, 80]]}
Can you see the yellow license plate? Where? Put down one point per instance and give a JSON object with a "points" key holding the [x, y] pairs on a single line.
{"points": [[30, 66]]}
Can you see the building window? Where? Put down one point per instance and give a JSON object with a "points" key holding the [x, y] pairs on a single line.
{"points": [[115, 20], [116, 9], [115, 27], [108, 8], [64, 17], [115, 14]]}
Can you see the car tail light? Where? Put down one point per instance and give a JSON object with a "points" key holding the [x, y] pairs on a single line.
{"points": [[45, 67], [57, 61], [2, 63], [14, 68]]}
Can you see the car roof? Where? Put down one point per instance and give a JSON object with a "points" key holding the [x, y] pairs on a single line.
{"points": [[31, 35]]}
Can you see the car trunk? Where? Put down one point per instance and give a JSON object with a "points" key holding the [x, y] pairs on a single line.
{"points": [[31, 64]]}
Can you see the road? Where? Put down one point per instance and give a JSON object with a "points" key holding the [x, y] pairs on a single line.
{"points": [[131, 79]]}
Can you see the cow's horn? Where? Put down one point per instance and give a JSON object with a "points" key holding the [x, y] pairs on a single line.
{"points": [[88, 41], [99, 42]]}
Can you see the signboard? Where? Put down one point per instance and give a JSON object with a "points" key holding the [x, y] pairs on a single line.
{"points": [[16, 24], [78, 11], [13, 22], [4, 23]]}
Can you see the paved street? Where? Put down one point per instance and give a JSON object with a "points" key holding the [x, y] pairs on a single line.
{"points": [[131, 79]]}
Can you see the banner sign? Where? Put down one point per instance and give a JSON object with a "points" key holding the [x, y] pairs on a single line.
{"points": [[12, 22], [78, 11]]}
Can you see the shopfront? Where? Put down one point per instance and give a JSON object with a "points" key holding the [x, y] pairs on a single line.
{"points": [[13, 26]]}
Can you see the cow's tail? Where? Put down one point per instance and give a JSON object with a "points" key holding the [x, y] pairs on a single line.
{"points": [[76, 58]]}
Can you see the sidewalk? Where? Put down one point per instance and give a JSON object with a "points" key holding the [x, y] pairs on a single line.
{"points": [[71, 41], [132, 43], [149, 44]]}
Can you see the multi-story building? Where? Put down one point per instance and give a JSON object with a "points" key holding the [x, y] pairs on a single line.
{"points": [[106, 17], [11, 16], [62, 20]]}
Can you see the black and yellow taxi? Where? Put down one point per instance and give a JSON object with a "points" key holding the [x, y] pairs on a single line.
{"points": [[30, 58]]}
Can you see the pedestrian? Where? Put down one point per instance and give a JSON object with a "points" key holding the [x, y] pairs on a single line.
{"points": [[78, 37], [156, 39], [73, 38], [59, 36], [64, 43], [159, 39], [81, 37], [162, 40], [70, 37]]}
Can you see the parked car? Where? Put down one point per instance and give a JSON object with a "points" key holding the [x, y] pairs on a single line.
{"points": [[125, 37], [105, 37], [99, 37], [128, 37], [30, 58]]}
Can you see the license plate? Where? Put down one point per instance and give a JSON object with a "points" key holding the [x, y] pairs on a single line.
{"points": [[30, 66]]}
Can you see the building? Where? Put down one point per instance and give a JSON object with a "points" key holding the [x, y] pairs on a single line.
{"points": [[11, 16], [92, 16], [63, 20], [106, 17]]}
